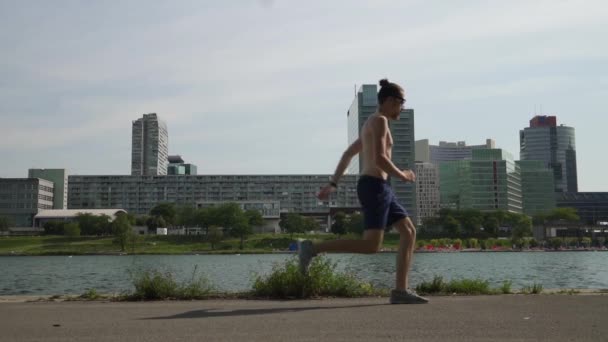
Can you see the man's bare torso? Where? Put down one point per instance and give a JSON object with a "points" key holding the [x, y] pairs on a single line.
{"points": [[369, 150]]}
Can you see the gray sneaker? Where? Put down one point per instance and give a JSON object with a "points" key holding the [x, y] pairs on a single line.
{"points": [[305, 254], [407, 297]]}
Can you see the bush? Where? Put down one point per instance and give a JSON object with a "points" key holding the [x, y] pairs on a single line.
{"points": [[455, 286], [91, 294], [286, 281], [155, 285], [532, 289], [506, 287]]}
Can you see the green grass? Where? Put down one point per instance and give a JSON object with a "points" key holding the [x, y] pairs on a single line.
{"points": [[532, 289], [461, 286], [150, 244], [287, 282], [156, 285]]}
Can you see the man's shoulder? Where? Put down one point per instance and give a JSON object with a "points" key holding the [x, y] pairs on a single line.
{"points": [[378, 120]]}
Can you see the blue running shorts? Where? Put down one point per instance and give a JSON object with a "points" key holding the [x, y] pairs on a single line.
{"points": [[379, 204]]}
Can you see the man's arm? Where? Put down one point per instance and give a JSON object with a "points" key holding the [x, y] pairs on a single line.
{"points": [[379, 133], [347, 156]]}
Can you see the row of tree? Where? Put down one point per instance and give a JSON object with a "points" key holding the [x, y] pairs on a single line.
{"points": [[5, 223]]}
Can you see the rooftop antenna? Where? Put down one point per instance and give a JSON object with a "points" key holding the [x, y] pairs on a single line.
{"points": [[355, 89]]}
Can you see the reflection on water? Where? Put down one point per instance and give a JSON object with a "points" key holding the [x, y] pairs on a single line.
{"points": [[111, 274]]}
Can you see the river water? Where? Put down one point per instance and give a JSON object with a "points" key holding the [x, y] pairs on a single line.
{"points": [[50, 275]]}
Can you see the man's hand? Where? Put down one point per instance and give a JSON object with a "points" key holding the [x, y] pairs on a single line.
{"points": [[409, 176], [325, 192]]}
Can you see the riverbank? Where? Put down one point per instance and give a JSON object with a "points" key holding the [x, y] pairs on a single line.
{"points": [[196, 245]]}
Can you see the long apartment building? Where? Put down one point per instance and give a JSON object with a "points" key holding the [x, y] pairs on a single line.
{"points": [[139, 194]]}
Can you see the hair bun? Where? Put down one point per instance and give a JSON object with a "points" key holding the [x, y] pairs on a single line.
{"points": [[384, 82]]}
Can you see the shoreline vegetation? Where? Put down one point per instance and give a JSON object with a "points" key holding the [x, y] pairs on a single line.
{"points": [[256, 244], [285, 282]]}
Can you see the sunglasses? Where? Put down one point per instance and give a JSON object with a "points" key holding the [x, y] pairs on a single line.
{"points": [[401, 99]]}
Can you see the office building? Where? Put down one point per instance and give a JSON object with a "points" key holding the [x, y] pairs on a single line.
{"points": [[59, 177], [403, 151], [592, 207], [22, 198], [490, 181], [447, 151], [150, 146], [427, 191], [177, 166], [537, 187], [555, 146]]}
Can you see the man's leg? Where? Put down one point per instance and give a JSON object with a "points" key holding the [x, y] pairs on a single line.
{"points": [[371, 243], [407, 241]]}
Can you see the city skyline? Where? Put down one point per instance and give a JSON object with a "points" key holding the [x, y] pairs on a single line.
{"points": [[267, 93]]}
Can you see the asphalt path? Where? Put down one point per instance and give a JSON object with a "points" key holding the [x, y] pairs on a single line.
{"points": [[475, 318]]}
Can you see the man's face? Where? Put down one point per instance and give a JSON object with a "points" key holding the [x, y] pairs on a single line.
{"points": [[397, 105]]}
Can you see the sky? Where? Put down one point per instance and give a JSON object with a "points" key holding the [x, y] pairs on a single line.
{"points": [[263, 86]]}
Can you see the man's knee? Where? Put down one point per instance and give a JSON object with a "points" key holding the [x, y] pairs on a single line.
{"points": [[406, 227]]}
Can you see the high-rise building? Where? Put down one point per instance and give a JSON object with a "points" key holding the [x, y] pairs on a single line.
{"points": [[150, 146], [427, 191], [177, 166], [402, 130], [490, 181], [59, 177], [555, 146], [447, 151], [537, 187]]}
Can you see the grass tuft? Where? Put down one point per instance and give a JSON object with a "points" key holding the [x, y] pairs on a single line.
{"points": [[285, 281], [156, 285]]}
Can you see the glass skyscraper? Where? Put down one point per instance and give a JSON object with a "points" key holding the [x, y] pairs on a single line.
{"points": [[537, 187], [490, 181], [555, 146], [150, 146], [402, 130]]}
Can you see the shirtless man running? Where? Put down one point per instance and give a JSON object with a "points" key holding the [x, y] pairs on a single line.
{"points": [[378, 202]]}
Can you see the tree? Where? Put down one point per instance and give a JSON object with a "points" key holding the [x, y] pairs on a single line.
{"points": [[214, 236], [5, 223], [338, 227], [254, 217], [71, 229], [310, 224], [566, 214], [242, 229], [355, 224], [522, 228], [292, 223], [154, 222], [452, 226], [141, 220], [165, 210], [471, 221], [54, 227], [94, 224], [491, 224], [186, 216], [121, 228]]}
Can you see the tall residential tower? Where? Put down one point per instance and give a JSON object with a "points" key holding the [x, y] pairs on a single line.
{"points": [[150, 146]]}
